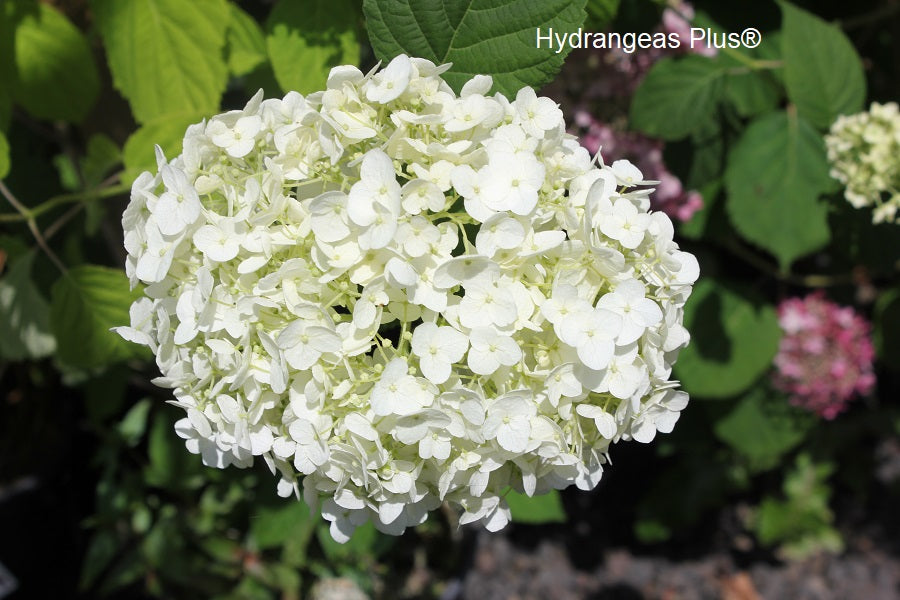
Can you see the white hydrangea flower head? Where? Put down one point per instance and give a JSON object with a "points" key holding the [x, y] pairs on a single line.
{"points": [[864, 152], [397, 297]]}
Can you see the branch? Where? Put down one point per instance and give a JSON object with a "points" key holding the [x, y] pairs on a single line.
{"points": [[28, 216]]}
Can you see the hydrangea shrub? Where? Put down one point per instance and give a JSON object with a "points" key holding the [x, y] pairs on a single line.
{"points": [[399, 296]]}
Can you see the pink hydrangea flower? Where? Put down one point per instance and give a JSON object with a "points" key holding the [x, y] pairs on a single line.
{"points": [[647, 155], [825, 356]]}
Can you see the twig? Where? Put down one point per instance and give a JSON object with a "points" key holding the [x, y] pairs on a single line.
{"points": [[65, 218], [876, 15], [89, 195], [810, 281], [28, 216]]}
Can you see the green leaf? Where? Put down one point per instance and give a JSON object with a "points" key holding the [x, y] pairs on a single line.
{"points": [[495, 37], [24, 314], [165, 55], [272, 527], [102, 155], [600, 13], [10, 14], [360, 543], [246, 43], [775, 174], [307, 39], [678, 96], [166, 132], [822, 71], [536, 510], [170, 466], [134, 423], [85, 303], [802, 522], [56, 75], [651, 531], [101, 552], [734, 336], [4, 156], [752, 93], [762, 428]]}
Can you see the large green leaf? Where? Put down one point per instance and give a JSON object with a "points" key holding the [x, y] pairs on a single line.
{"points": [[165, 55], [496, 37], [85, 304], [166, 132], [734, 336], [762, 428], [24, 314], [307, 39], [55, 74], [536, 510], [775, 175], [822, 72], [246, 43], [678, 96]]}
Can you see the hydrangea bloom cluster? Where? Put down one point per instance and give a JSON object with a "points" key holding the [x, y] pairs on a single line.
{"points": [[825, 356], [399, 296], [647, 155], [864, 152]]}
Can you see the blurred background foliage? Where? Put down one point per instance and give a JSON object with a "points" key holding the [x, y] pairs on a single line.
{"points": [[93, 480]]}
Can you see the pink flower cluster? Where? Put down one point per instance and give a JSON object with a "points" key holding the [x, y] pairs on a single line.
{"points": [[825, 357], [647, 155]]}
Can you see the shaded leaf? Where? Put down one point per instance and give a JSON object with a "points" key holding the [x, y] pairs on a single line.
{"points": [[85, 303], [775, 175], [307, 39], [24, 314], [677, 97], [822, 71], [273, 526], [102, 155], [600, 13], [170, 467], [734, 336], [165, 55], [762, 428], [55, 73], [134, 423], [752, 93], [496, 37]]}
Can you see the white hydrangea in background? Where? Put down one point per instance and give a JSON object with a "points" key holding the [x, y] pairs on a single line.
{"points": [[397, 297], [864, 152]]}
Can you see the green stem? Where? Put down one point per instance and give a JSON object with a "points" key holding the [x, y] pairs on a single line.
{"points": [[32, 226], [26, 214]]}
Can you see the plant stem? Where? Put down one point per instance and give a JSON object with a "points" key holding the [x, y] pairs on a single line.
{"points": [[23, 213], [28, 216]]}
